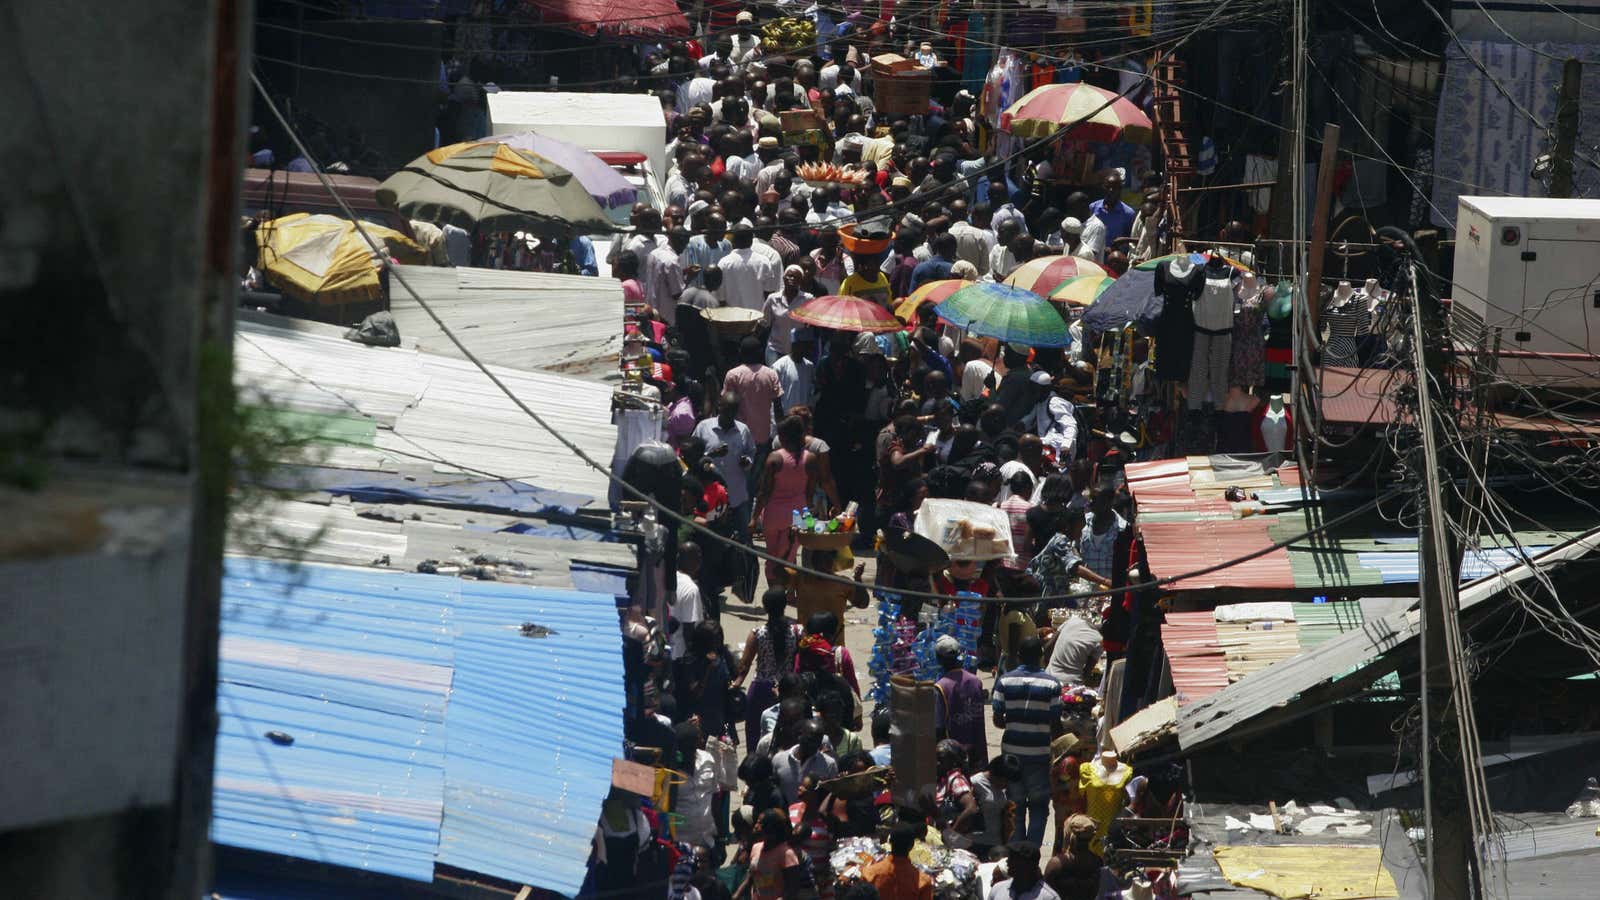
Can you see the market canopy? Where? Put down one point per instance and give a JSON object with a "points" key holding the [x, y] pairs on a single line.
{"points": [[606, 185], [323, 259], [493, 185], [1087, 112], [643, 18]]}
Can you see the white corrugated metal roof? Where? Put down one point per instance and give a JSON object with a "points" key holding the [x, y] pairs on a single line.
{"points": [[433, 411], [522, 320]]}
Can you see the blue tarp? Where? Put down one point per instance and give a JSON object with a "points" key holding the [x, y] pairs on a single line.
{"points": [[387, 487]]}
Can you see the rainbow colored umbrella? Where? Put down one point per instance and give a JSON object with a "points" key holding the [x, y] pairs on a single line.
{"points": [[1091, 114], [1042, 273], [929, 292], [846, 314], [1199, 259], [1009, 313], [1082, 290]]}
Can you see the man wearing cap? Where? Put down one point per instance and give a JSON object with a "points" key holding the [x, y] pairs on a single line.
{"points": [[1092, 235], [771, 154], [746, 43], [958, 707]]}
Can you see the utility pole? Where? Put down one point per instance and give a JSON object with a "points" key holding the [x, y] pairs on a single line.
{"points": [[1566, 128], [1317, 250], [1451, 858]]}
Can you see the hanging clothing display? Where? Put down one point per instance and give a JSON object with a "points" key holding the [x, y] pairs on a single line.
{"points": [[640, 422], [1178, 283], [978, 54], [1213, 340], [1248, 365], [1272, 429], [1104, 796], [1346, 323]]}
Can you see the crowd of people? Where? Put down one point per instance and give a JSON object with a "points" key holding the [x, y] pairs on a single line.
{"points": [[776, 754]]}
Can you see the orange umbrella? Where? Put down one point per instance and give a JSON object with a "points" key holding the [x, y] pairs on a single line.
{"points": [[846, 314], [929, 292], [1043, 273]]}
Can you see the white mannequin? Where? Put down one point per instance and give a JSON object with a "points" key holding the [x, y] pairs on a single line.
{"points": [[1370, 287], [1107, 763], [1275, 425], [1181, 266], [1342, 294]]}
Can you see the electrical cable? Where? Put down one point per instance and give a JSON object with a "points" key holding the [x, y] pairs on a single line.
{"points": [[676, 516]]}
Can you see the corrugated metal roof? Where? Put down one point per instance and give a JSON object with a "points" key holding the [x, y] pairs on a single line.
{"points": [[1358, 396], [533, 726], [1203, 722], [433, 413], [520, 320], [1197, 664], [1177, 547], [354, 667], [426, 728]]}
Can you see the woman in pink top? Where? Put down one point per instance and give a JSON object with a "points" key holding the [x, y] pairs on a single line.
{"points": [[787, 482]]}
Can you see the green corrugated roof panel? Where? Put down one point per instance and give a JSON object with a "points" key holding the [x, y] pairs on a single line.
{"points": [[1318, 623], [1330, 568], [326, 428]]}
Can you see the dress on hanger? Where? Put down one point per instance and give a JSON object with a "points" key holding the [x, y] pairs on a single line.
{"points": [[1174, 329], [1248, 367], [1213, 340]]}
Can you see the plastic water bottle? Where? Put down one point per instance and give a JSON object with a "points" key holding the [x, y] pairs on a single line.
{"points": [[794, 519]]}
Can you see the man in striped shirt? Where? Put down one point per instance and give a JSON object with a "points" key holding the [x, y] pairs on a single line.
{"points": [[1027, 709]]}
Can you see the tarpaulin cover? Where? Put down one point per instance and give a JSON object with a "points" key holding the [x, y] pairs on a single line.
{"points": [[383, 487], [600, 578], [639, 17], [1131, 298], [1323, 872]]}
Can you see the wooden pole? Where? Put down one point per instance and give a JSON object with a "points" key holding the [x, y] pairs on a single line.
{"points": [[1566, 128], [1319, 223]]}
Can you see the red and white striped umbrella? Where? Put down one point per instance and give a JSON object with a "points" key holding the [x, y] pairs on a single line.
{"points": [[1095, 114]]}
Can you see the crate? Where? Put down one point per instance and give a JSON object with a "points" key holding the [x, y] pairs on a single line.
{"points": [[801, 120], [904, 93]]}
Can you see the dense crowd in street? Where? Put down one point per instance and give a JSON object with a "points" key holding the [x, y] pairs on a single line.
{"points": [[788, 424]]}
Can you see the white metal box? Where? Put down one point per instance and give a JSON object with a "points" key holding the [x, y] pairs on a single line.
{"points": [[1530, 266]]}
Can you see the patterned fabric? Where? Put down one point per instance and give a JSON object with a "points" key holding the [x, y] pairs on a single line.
{"points": [[767, 666], [1248, 367], [1345, 324], [1482, 144], [1030, 700], [1053, 565]]}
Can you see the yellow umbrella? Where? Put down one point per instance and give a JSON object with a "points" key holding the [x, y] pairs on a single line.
{"points": [[323, 259], [1082, 290], [930, 292]]}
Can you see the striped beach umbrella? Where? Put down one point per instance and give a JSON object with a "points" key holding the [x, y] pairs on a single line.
{"points": [[1082, 290], [1042, 273], [846, 314], [1093, 114]]}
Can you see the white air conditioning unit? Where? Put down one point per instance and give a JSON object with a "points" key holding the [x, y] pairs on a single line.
{"points": [[1530, 267]]}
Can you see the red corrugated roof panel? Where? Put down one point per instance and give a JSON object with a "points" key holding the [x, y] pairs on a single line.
{"points": [[1178, 547], [1199, 668], [1358, 396]]}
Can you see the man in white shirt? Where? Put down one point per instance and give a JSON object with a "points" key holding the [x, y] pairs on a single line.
{"points": [[775, 315], [739, 160], [1092, 237], [796, 375], [1078, 647], [748, 274], [1054, 419], [663, 275], [974, 239], [687, 610]]}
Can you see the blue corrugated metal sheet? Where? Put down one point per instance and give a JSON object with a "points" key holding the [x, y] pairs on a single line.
{"points": [[1401, 567], [411, 700], [354, 666], [534, 725]]}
